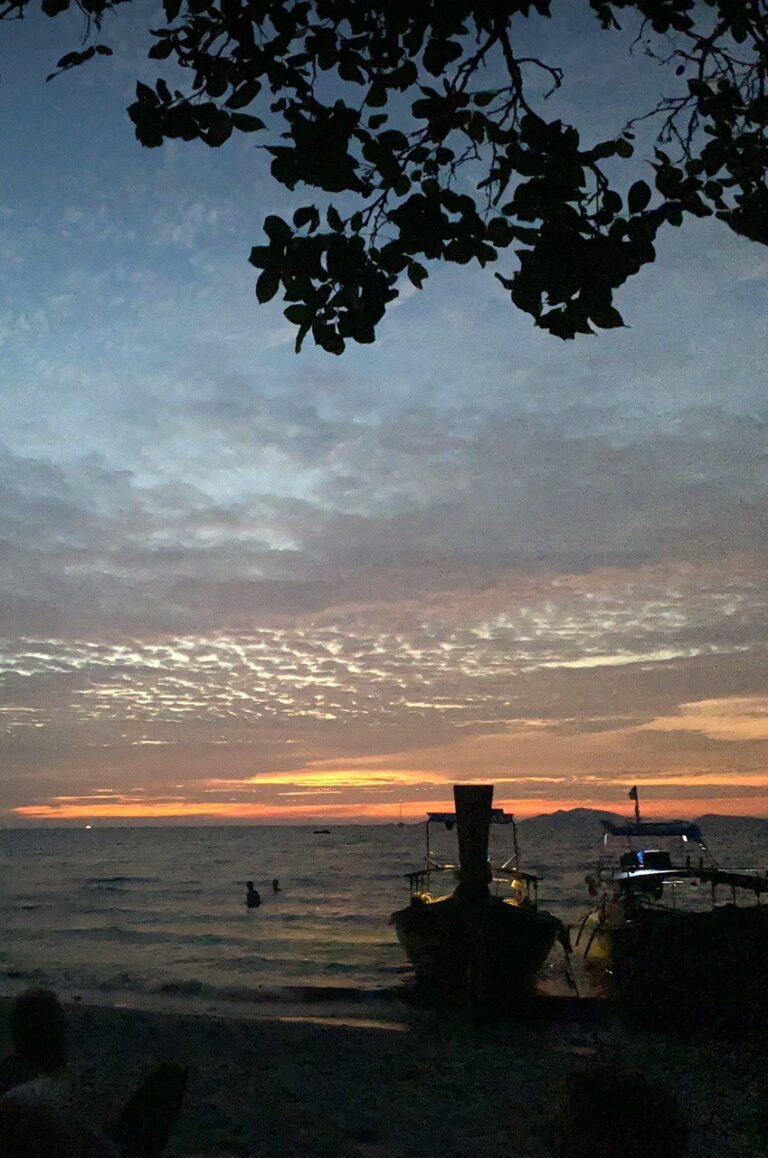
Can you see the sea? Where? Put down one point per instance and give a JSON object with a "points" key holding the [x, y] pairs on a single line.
{"points": [[135, 915]]}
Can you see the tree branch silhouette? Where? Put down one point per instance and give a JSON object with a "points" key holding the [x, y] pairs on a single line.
{"points": [[427, 139]]}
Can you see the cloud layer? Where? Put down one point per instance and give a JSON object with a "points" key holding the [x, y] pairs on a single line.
{"points": [[230, 578]]}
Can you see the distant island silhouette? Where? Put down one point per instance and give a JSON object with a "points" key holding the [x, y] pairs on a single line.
{"points": [[584, 821]]}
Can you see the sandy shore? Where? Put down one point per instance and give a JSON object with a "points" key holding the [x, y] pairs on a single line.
{"points": [[388, 1080]]}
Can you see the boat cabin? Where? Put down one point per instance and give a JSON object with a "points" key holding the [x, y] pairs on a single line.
{"points": [[643, 872], [507, 880], [646, 858]]}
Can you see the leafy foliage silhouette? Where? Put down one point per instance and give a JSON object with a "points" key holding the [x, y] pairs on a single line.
{"points": [[430, 129]]}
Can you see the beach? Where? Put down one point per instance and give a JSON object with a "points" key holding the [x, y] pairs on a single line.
{"points": [[385, 1080]]}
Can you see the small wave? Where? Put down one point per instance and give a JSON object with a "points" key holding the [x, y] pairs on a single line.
{"points": [[251, 962], [133, 982], [12, 974], [123, 880], [194, 987], [287, 994], [189, 988], [159, 937], [140, 916]]}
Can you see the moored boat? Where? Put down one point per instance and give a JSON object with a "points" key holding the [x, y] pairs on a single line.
{"points": [[671, 932], [486, 939]]}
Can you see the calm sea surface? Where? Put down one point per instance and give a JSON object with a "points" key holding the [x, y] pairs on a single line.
{"points": [[151, 911]]}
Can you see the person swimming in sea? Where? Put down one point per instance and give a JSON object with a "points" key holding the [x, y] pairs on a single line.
{"points": [[252, 896], [276, 886]]}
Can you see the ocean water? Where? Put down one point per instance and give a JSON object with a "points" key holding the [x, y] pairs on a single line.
{"points": [[161, 911]]}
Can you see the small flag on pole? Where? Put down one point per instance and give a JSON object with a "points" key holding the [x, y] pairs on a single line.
{"points": [[632, 794]]}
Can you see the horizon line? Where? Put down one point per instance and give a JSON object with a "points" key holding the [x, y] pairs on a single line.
{"points": [[152, 822]]}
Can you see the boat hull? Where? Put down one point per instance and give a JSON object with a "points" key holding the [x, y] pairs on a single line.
{"points": [[460, 952], [671, 967]]}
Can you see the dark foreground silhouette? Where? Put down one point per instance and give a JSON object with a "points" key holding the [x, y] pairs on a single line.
{"points": [[38, 1111], [612, 1111]]}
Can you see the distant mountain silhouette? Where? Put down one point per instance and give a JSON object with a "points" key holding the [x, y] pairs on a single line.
{"points": [[568, 822], [726, 828], [571, 822]]}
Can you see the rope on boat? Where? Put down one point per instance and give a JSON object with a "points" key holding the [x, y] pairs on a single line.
{"points": [[594, 933], [587, 915], [565, 940]]}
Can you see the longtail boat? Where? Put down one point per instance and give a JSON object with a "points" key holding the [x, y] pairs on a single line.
{"points": [[670, 931], [486, 940]]}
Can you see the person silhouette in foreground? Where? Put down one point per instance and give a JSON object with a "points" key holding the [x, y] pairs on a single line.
{"points": [[143, 1126], [276, 886], [612, 1111], [38, 1032], [38, 1112], [252, 896]]}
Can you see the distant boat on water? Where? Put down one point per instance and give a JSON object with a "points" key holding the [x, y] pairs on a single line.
{"points": [[321, 832]]}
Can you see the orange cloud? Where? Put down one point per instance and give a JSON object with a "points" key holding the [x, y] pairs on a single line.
{"points": [[540, 766], [696, 780], [561, 757], [352, 774], [733, 718]]}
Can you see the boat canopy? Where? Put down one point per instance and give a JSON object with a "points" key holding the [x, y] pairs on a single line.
{"points": [[656, 828], [644, 875], [498, 816]]}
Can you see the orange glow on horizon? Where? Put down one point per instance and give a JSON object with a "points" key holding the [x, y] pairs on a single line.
{"points": [[178, 809], [374, 813]]}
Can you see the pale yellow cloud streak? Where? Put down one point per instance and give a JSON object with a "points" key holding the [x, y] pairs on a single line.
{"points": [[734, 719], [338, 775]]}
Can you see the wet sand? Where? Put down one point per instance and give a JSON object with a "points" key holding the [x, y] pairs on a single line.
{"points": [[388, 1081]]}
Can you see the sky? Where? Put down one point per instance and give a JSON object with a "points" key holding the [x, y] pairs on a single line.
{"points": [[243, 586]]}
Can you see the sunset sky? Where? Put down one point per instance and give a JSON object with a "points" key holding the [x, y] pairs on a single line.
{"points": [[237, 584]]}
